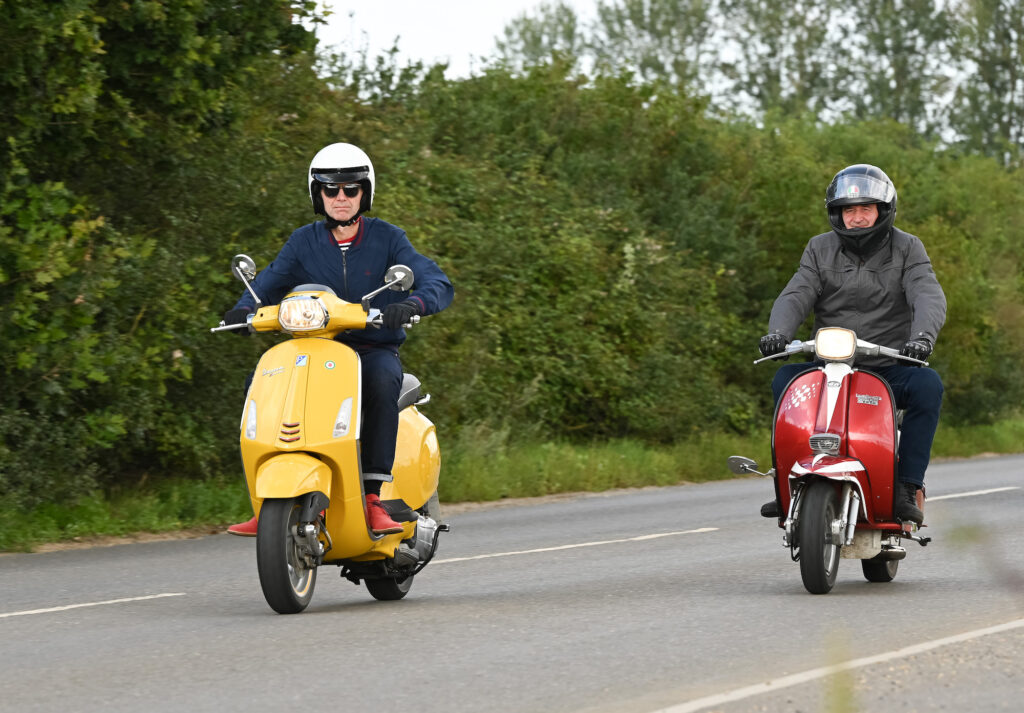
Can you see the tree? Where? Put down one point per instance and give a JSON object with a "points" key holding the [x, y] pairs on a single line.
{"points": [[988, 110], [783, 55], [900, 61]]}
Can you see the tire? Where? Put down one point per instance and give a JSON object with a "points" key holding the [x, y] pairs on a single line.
{"points": [[819, 556], [879, 570], [389, 590], [286, 580]]}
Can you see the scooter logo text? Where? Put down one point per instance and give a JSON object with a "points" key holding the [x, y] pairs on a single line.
{"points": [[271, 372], [869, 400]]}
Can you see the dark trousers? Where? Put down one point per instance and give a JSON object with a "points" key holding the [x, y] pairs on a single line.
{"points": [[382, 382], [917, 390]]}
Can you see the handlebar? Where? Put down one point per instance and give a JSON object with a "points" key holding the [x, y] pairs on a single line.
{"points": [[374, 319], [863, 349], [228, 327]]}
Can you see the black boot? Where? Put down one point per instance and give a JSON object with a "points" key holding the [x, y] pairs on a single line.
{"points": [[906, 504], [771, 509]]}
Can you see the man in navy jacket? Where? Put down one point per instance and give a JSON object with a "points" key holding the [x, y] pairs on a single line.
{"points": [[350, 253]]}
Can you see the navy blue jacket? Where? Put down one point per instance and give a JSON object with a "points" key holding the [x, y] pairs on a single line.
{"points": [[311, 255]]}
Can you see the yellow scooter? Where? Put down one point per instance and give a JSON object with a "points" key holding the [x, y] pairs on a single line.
{"points": [[300, 451]]}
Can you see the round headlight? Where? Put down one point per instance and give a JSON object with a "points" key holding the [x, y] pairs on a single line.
{"points": [[302, 314]]}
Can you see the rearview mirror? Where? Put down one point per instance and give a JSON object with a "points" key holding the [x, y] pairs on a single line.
{"points": [[742, 466], [399, 278], [244, 267]]}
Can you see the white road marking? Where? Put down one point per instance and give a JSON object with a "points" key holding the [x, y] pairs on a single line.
{"points": [[973, 493], [796, 679], [91, 604], [581, 544]]}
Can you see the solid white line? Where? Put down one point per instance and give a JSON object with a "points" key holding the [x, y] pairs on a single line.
{"points": [[91, 604], [798, 678], [581, 544], [973, 493]]}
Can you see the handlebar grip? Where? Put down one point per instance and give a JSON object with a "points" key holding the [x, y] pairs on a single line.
{"points": [[227, 327]]}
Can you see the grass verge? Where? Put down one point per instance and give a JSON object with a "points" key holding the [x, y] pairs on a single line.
{"points": [[481, 465]]}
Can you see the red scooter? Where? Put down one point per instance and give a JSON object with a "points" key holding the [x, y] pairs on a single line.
{"points": [[834, 452]]}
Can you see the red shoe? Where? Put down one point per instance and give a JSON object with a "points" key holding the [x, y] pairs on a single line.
{"points": [[244, 529], [378, 518]]}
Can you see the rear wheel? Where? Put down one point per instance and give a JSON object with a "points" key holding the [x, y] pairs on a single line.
{"points": [[879, 570], [286, 577], [389, 589], [819, 539]]}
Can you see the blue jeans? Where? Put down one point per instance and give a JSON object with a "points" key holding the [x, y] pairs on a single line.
{"points": [[917, 390]]}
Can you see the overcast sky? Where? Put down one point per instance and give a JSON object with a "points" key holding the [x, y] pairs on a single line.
{"points": [[429, 30]]}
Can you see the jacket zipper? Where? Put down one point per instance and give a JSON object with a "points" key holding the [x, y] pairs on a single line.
{"points": [[344, 271]]}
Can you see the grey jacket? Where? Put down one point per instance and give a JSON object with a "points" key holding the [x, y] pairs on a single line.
{"points": [[889, 298]]}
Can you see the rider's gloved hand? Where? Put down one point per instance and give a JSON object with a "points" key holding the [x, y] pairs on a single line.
{"points": [[237, 316], [916, 349], [399, 313], [773, 343]]}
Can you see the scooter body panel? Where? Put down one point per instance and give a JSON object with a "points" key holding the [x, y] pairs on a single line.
{"points": [[304, 392], [871, 439], [417, 460], [860, 411]]}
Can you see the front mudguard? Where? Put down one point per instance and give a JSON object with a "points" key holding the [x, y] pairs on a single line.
{"points": [[290, 475]]}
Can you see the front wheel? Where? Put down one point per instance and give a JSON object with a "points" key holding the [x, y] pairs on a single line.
{"points": [[286, 576], [819, 537], [879, 570], [387, 589]]}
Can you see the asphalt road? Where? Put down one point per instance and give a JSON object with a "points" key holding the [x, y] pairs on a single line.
{"points": [[670, 599]]}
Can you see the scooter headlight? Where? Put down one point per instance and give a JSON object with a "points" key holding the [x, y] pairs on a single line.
{"points": [[835, 344], [303, 313], [825, 443]]}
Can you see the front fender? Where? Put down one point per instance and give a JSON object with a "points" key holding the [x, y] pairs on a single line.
{"points": [[289, 475]]}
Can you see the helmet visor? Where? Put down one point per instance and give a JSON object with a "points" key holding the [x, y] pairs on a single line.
{"points": [[340, 175], [858, 189]]}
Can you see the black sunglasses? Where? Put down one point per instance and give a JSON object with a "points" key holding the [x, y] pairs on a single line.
{"points": [[330, 190]]}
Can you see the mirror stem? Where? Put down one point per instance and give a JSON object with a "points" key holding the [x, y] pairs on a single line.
{"points": [[240, 276], [365, 302]]}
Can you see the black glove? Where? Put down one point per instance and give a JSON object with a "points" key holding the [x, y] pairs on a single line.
{"points": [[772, 344], [916, 349], [399, 313], [237, 316]]}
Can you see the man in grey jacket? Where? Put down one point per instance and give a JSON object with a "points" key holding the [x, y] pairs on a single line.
{"points": [[877, 280]]}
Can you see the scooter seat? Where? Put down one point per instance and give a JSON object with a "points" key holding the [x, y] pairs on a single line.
{"points": [[410, 392]]}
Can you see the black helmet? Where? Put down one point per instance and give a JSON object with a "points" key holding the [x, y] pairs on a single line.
{"points": [[861, 184]]}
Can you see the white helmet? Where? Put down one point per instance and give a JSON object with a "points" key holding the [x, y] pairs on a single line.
{"points": [[340, 163]]}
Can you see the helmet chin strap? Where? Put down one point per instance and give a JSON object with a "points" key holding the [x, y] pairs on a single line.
{"points": [[863, 241], [332, 223]]}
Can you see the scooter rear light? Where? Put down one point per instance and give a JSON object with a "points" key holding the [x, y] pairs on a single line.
{"points": [[825, 443]]}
